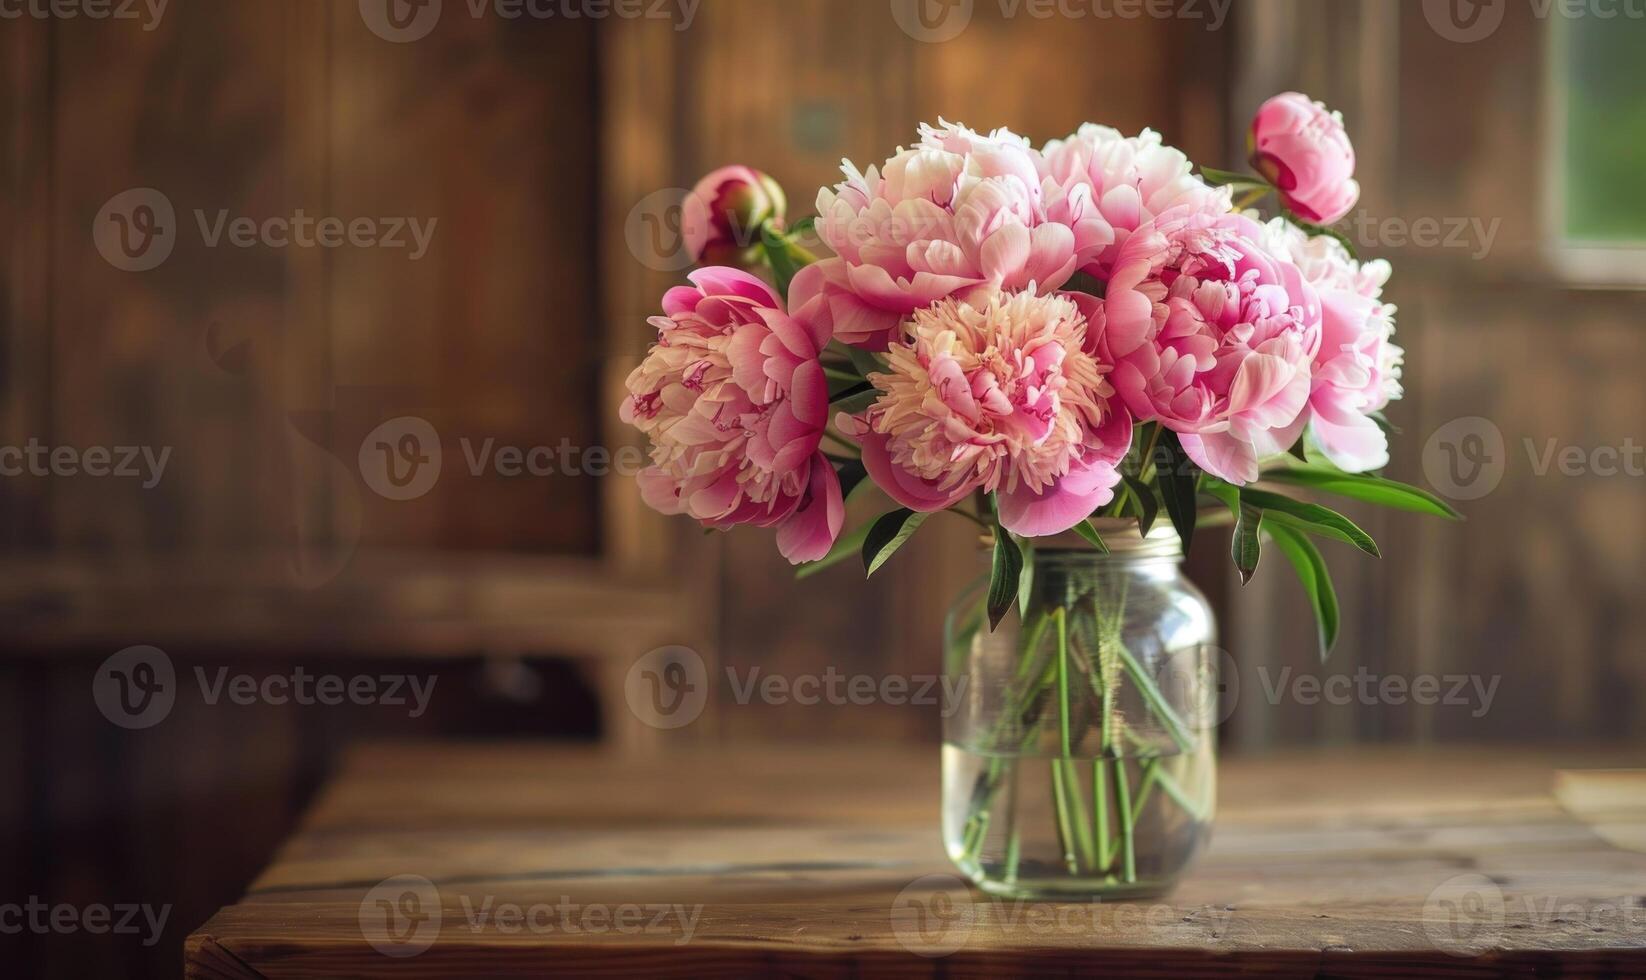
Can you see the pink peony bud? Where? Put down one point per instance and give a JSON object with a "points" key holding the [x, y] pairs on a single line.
{"points": [[723, 214], [1301, 147]]}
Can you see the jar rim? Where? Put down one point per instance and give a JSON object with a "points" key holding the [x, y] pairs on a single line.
{"points": [[1120, 534]]}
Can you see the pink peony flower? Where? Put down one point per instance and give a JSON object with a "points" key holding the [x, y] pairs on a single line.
{"points": [[1303, 150], [1357, 371], [1105, 186], [956, 211], [1002, 396], [1213, 336], [722, 215], [734, 401]]}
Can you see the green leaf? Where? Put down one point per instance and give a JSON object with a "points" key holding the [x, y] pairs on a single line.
{"points": [[1025, 581], [845, 546], [1310, 228], [1317, 581], [1295, 514], [1148, 506], [776, 248], [866, 362], [1372, 489], [1218, 178], [1089, 532], [840, 380], [851, 474], [1085, 282], [856, 398], [804, 226], [1174, 474], [887, 535], [1246, 546], [1004, 577]]}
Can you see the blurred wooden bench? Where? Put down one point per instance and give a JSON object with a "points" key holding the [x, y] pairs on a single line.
{"points": [[496, 860]]}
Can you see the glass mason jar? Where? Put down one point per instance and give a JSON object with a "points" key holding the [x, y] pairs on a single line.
{"points": [[1080, 759]]}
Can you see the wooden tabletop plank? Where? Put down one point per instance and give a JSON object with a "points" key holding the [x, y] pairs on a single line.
{"points": [[531, 859]]}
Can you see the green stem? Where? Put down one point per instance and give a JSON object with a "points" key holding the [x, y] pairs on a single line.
{"points": [[1157, 702], [1060, 800], [1123, 803], [1061, 616], [1014, 846], [1100, 806]]}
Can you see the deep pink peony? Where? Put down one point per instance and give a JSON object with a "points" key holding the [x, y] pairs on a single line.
{"points": [[1303, 150], [1213, 336], [1001, 396], [1357, 371], [721, 217], [956, 211], [1105, 186], [734, 401]]}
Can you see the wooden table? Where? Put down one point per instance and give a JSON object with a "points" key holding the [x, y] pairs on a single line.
{"points": [[506, 860]]}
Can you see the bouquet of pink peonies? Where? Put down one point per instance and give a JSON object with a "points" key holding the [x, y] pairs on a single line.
{"points": [[1059, 345], [1030, 339]]}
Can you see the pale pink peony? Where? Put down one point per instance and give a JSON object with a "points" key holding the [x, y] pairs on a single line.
{"points": [[1303, 150], [734, 401], [1105, 186], [1357, 371], [958, 210], [1212, 336], [721, 217], [1002, 396]]}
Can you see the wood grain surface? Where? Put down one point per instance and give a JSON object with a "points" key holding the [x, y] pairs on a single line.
{"points": [[808, 862]]}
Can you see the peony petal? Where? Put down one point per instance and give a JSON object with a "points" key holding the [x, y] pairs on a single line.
{"points": [[719, 280], [1088, 485], [809, 532]]}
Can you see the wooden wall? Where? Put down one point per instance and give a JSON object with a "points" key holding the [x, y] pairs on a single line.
{"points": [[1540, 588]]}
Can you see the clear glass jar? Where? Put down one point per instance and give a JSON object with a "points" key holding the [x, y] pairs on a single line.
{"points": [[1081, 757]]}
